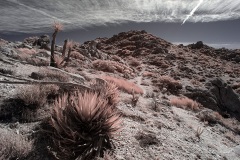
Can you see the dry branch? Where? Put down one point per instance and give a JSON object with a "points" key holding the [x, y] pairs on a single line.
{"points": [[14, 77], [31, 82], [71, 74], [48, 82]]}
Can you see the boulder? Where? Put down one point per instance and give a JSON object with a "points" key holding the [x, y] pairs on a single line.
{"points": [[225, 95], [197, 45], [217, 96], [43, 40]]}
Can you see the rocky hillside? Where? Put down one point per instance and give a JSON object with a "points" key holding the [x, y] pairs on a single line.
{"points": [[176, 102]]}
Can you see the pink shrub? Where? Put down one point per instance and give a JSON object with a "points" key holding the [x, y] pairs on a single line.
{"points": [[134, 61], [185, 103], [27, 51], [171, 84], [124, 85], [111, 66]]}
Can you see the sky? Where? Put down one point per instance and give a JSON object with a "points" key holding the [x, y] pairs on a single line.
{"points": [[215, 22]]}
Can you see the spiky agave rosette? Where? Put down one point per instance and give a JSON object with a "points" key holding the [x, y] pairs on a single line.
{"points": [[83, 125]]}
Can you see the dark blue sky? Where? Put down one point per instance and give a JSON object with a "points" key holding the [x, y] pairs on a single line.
{"points": [[221, 32]]}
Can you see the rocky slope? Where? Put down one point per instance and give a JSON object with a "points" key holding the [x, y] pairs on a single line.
{"points": [[154, 126]]}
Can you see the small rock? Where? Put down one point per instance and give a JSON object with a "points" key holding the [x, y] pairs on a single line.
{"points": [[27, 46]]}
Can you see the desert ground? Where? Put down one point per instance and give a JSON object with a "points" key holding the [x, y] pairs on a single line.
{"points": [[174, 101]]}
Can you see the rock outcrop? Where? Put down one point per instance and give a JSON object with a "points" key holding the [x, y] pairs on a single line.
{"points": [[217, 96], [197, 45]]}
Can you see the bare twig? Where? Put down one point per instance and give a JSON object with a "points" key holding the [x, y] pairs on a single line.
{"points": [[31, 82], [199, 132], [47, 82], [14, 77], [134, 98]]}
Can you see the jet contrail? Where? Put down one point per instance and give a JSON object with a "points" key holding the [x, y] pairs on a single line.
{"points": [[192, 12]]}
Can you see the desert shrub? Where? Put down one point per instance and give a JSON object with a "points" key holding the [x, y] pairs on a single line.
{"points": [[134, 99], [199, 132], [32, 60], [32, 96], [83, 125], [185, 103], [6, 71], [22, 56], [133, 61], [210, 116], [28, 56], [27, 51], [13, 145], [116, 58], [167, 82], [30, 103], [107, 90], [24, 105], [59, 61], [111, 66], [124, 85], [148, 74], [77, 55], [158, 61], [51, 90]]}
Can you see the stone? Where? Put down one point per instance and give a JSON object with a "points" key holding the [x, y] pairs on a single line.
{"points": [[217, 96], [225, 95], [37, 76], [27, 46], [197, 45], [43, 40]]}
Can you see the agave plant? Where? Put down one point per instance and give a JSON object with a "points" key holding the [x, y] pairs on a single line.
{"points": [[83, 125]]}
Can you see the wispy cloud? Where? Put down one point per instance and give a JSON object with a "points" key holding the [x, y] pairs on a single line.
{"points": [[33, 16]]}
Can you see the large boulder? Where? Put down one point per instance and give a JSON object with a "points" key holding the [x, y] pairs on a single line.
{"points": [[197, 45], [217, 96], [44, 39], [230, 55]]}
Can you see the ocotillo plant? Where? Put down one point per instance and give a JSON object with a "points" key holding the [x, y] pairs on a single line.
{"points": [[64, 48]]}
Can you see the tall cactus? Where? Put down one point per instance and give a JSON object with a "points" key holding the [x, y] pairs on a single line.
{"points": [[57, 27]]}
